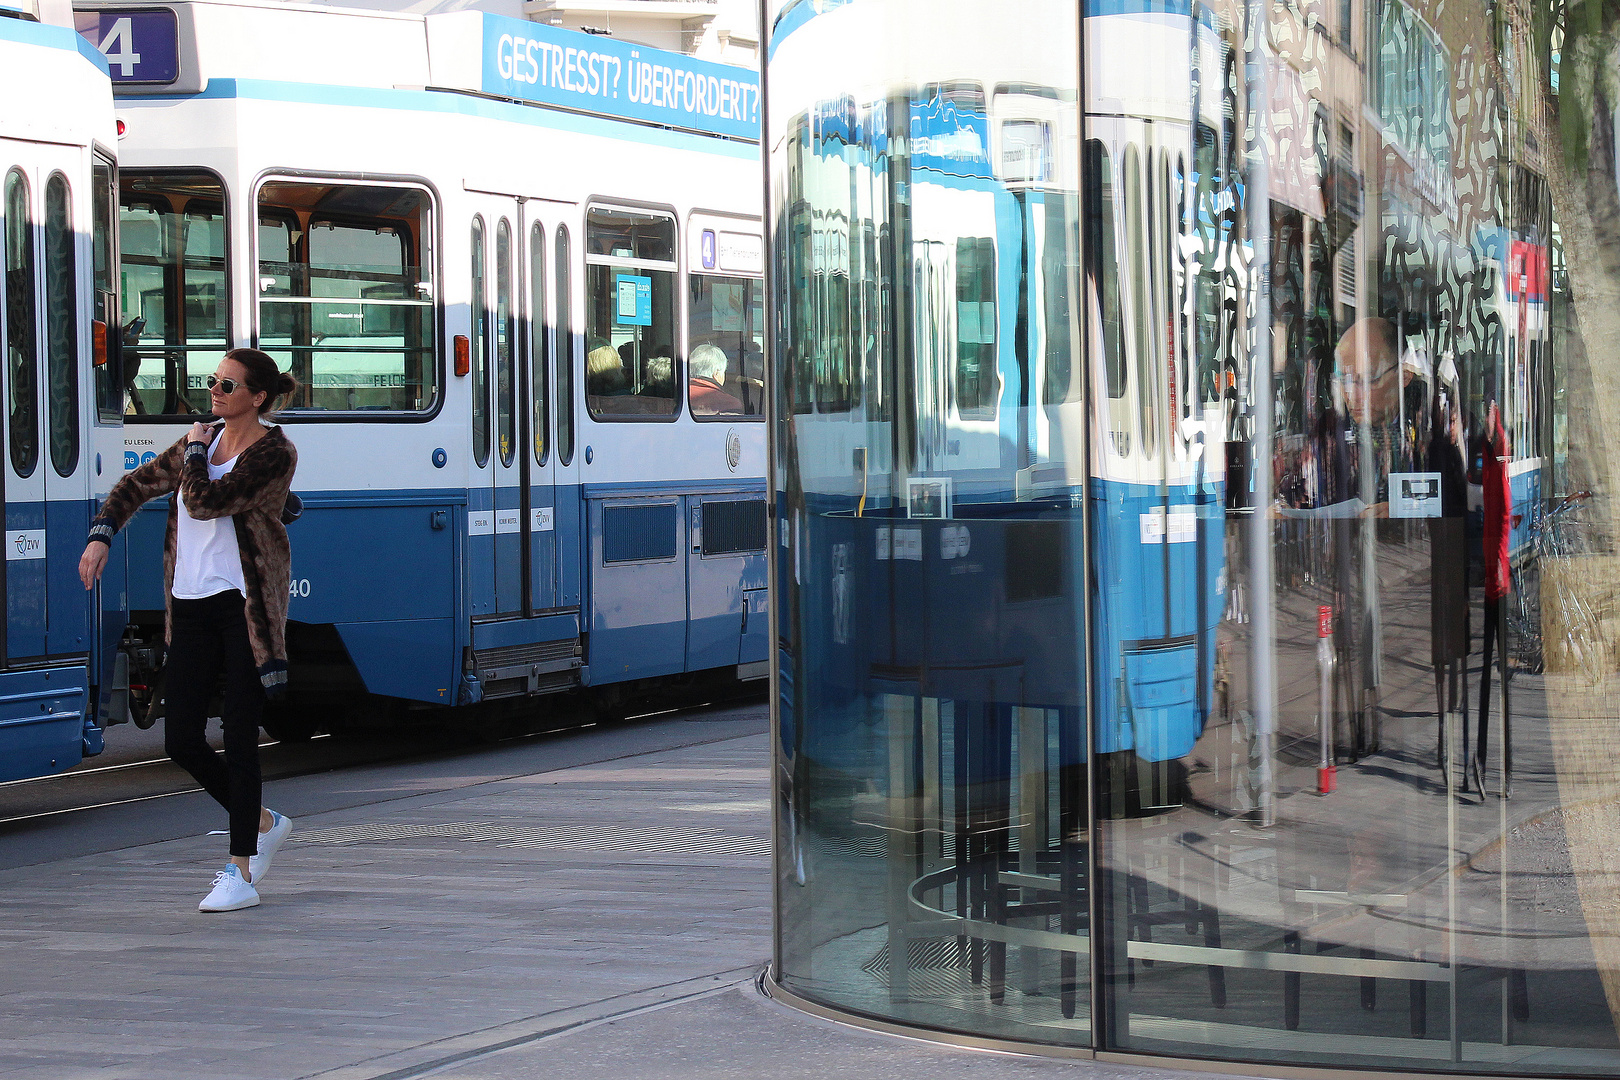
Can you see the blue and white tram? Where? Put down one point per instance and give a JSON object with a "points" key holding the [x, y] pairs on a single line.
{"points": [[980, 428], [517, 271], [61, 428]]}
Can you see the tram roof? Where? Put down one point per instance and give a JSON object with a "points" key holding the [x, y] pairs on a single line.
{"points": [[177, 49], [27, 31]]}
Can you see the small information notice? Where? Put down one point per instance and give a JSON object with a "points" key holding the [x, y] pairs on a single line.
{"points": [[633, 300], [1414, 495]]}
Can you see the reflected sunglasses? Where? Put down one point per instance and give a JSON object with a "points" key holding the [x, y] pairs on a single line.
{"points": [[226, 386]]}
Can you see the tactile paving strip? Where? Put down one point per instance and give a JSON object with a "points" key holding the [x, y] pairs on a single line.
{"points": [[586, 837]]}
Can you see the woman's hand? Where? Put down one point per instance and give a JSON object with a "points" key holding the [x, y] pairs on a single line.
{"points": [[92, 563], [198, 433]]}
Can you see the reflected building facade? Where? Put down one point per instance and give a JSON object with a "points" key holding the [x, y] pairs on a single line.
{"points": [[1197, 597]]}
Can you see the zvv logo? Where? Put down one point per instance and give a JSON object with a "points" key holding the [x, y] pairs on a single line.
{"points": [[27, 544]]}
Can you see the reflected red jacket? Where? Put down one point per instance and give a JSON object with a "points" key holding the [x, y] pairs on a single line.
{"points": [[1498, 513]]}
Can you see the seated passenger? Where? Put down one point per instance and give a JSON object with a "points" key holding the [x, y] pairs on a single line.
{"points": [[660, 377], [706, 388], [604, 372]]}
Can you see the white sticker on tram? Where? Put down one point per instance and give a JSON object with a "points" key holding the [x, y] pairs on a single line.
{"points": [[26, 544], [480, 523], [508, 521], [542, 519], [1183, 525], [908, 544], [883, 545]]}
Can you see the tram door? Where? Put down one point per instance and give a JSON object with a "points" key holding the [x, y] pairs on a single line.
{"points": [[47, 611], [540, 493], [495, 525]]}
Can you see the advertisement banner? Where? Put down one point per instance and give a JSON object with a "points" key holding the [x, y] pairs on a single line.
{"points": [[590, 73]]}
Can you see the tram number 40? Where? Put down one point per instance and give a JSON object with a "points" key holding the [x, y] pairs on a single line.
{"points": [[298, 587]]}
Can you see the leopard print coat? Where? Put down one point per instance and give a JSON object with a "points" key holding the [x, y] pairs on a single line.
{"points": [[252, 494]]}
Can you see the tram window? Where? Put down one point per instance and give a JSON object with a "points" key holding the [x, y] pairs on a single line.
{"points": [[629, 314], [505, 358], [1059, 264], [22, 370], [565, 351], [978, 384], [726, 322], [539, 341], [174, 289], [104, 256], [61, 327], [480, 349], [1136, 226], [802, 312], [345, 294], [1102, 264]]}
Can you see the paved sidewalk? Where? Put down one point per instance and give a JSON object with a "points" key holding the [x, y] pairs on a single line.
{"points": [[587, 920], [396, 934]]}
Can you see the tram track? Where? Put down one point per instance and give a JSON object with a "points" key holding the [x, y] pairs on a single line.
{"points": [[151, 777]]}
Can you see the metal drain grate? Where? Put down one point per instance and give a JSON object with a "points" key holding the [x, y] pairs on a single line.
{"points": [[581, 837]]}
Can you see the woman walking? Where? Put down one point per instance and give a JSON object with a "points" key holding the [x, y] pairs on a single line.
{"points": [[226, 566]]}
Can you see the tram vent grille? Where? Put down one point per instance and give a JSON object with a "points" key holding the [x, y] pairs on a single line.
{"points": [[532, 653], [733, 526], [638, 533], [558, 837]]}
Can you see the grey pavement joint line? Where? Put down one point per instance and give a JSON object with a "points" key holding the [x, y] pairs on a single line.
{"points": [[455, 1051]]}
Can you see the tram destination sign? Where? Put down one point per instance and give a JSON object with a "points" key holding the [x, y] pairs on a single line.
{"points": [[142, 45], [589, 73]]}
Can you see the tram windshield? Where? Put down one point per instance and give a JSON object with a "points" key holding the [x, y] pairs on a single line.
{"points": [[346, 294]]}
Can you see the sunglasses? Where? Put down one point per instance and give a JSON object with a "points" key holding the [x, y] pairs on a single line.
{"points": [[226, 386]]}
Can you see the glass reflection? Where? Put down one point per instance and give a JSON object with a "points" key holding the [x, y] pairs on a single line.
{"points": [[929, 437], [1196, 577]]}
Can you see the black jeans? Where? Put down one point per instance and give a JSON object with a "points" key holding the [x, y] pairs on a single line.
{"points": [[206, 637]]}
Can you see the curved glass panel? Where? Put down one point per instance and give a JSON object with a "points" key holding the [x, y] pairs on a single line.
{"points": [[930, 431], [1196, 564]]}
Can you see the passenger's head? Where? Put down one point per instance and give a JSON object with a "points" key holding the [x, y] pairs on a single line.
{"points": [[604, 371], [660, 371], [257, 383], [1368, 360], [709, 362]]}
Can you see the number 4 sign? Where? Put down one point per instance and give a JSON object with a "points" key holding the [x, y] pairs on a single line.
{"points": [[141, 46]]}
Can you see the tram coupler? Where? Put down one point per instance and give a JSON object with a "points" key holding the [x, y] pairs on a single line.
{"points": [[1327, 773]]}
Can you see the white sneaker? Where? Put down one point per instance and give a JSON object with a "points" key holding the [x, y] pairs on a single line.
{"points": [[230, 893], [259, 865]]}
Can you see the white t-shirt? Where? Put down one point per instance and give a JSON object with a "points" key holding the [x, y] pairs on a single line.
{"points": [[206, 558]]}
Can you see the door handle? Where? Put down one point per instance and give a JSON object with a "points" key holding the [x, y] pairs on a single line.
{"points": [[438, 519]]}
